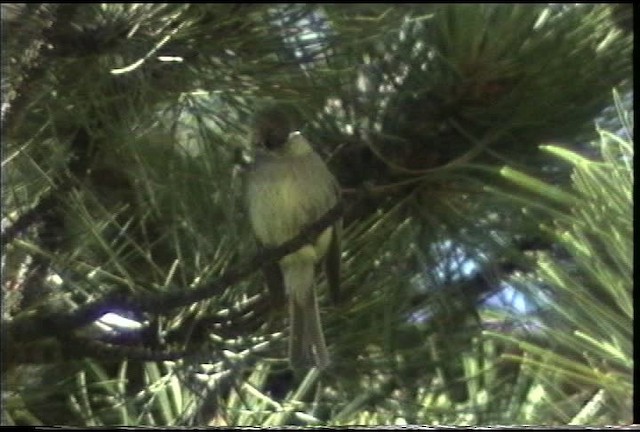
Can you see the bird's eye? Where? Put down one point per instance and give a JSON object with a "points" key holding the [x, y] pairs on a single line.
{"points": [[271, 143]]}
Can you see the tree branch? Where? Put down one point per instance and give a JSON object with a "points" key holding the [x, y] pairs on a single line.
{"points": [[58, 324]]}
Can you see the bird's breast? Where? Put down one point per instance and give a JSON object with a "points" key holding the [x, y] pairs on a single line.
{"points": [[284, 196]]}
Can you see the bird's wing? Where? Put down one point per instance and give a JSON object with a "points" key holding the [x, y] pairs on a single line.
{"points": [[332, 259], [275, 282], [332, 262]]}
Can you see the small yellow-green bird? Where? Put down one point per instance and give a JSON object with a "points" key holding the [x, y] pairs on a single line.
{"points": [[289, 187]]}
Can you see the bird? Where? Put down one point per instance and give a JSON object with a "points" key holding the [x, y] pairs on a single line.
{"points": [[288, 187]]}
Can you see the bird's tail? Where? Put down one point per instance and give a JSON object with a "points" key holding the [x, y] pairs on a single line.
{"points": [[307, 346]]}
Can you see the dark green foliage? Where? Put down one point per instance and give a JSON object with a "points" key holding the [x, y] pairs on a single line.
{"points": [[126, 129]]}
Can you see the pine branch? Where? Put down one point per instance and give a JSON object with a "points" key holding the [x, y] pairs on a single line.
{"points": [[35, 67], [59, 324]]}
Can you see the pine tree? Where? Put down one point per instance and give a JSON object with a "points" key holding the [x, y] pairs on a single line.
{"points": [[126, 131]]}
